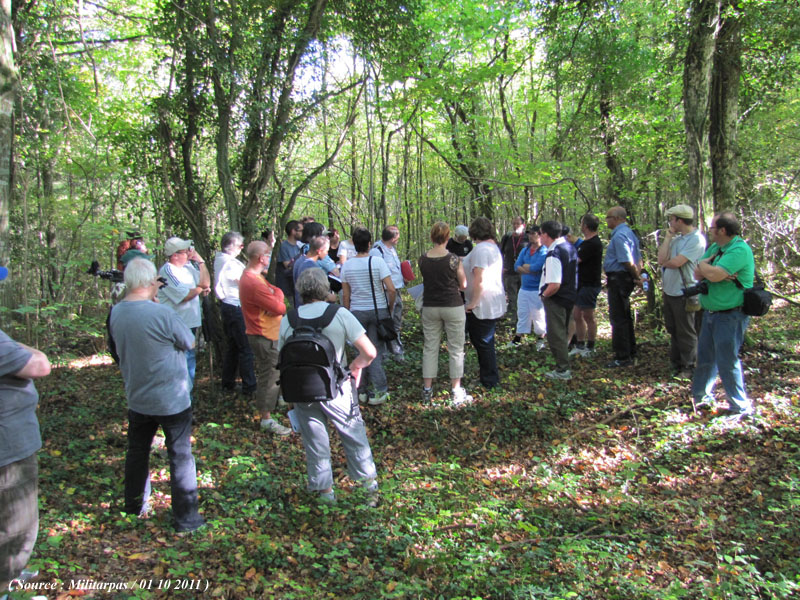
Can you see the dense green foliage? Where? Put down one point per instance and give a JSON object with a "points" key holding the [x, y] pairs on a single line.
{"points": [[192, 117]]}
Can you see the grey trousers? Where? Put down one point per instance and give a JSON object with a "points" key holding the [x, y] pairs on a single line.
{"points": [[511, 284], [19, 516], [557, 318], [345, 416], [683, 328]]}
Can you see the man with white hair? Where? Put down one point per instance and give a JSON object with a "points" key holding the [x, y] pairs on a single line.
{"points": [[185, 284], [152, 341], [460, 244], [238, 354]]}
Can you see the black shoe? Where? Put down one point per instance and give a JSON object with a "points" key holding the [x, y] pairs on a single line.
{"points": [[617, 363]]}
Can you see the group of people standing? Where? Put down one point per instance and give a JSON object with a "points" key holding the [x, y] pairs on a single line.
{"points": [[703, 293], [552, 281]]}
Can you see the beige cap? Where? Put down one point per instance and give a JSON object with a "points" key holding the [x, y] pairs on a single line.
{"points": [[682, 211]]}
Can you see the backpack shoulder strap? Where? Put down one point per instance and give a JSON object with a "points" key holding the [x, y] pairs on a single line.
{"points": [[326, 317], [320, 322], [293, 317]]}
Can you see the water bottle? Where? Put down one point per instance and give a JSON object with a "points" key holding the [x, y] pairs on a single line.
{"points": [[645, 281]]}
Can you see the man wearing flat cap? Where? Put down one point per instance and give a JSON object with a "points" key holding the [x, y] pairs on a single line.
{"points": [[187, 279], [682, 247]]}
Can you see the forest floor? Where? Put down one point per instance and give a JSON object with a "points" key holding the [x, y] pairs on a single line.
{"points": [[606, 486]]}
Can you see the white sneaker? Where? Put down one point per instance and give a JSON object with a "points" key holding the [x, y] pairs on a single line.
{"points": [[556, 374], [273, 426], [541, 345], [379, 398], [460, 396], [579, 351]]}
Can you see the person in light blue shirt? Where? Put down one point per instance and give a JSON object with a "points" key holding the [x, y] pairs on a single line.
{"points": [[530, 310], [621, 265], [682, 247]]}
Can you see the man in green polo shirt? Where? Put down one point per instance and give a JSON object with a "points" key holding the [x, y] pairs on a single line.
{"points": [[727, 260]]}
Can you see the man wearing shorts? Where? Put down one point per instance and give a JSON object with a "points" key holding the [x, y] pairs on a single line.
{"points": [[590, 266]]}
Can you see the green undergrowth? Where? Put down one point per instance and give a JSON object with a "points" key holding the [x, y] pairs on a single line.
{"points": [[606, 486]]}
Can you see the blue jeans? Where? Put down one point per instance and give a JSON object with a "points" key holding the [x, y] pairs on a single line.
{"points": [[238, 354], [721, 336], [191, 363], [374, 373], [481, 334], [182, 471]]}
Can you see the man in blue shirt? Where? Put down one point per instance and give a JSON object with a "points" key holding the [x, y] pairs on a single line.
{"points": [[622, 272]]}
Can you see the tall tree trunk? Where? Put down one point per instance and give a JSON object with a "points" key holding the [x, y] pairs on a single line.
{"points": [[617, 185], [8, 88], [724, 113], [697, 68]]}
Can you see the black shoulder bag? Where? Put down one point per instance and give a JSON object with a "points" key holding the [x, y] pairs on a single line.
{"points": [[757, 300], [386, 330]]}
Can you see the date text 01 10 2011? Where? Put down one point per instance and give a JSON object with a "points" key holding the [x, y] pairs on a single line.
{"points": [[173, 584]]}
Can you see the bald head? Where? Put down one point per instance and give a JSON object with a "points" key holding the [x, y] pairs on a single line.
{"points": [[617, 211], [616, 215], [255, 250]]}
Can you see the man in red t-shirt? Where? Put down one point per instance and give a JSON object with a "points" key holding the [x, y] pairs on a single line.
{"points": [[263, 307]]}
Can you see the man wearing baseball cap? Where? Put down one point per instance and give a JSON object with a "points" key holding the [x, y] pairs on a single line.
{"points": [[187, 278], [682, 247]]}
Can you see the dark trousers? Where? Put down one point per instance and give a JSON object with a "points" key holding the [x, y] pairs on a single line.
{"points": [[19, 516], [481, 334], [182, 471], [557, 318], [238, 354], [623, 340]]}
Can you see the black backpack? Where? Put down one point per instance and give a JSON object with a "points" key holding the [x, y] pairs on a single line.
{"points": [[309, 369]]}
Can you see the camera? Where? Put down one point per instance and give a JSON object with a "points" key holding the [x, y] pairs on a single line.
{"points": [[698, 288], [112, 274]]}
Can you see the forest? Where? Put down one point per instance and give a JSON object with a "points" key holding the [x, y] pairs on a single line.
{"points": [[198, 117]]}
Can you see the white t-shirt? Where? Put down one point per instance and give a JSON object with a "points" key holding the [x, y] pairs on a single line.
{"points": [[227, 273], [180, 281], [347, 249], [355, 272], [553, 271], [492, 303]]}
